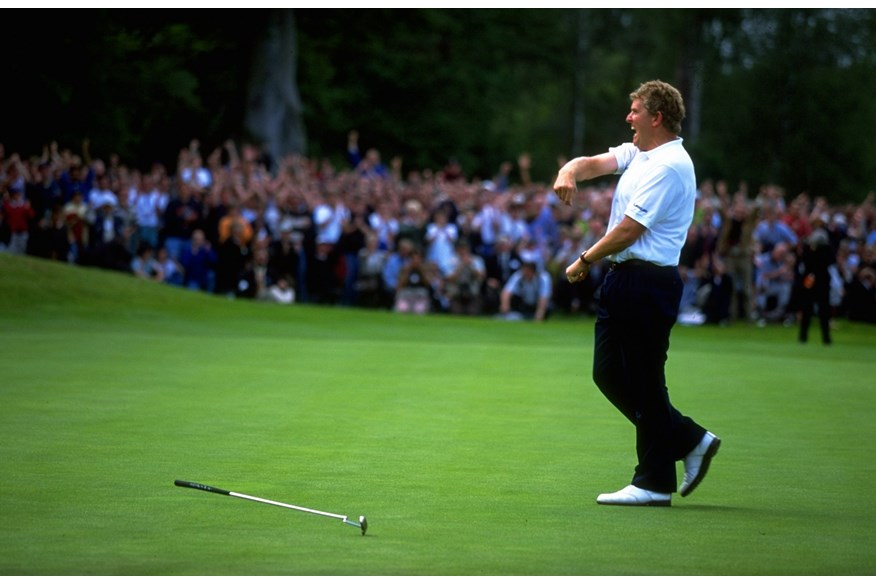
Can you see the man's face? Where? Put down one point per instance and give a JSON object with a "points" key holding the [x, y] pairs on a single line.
{"points": [[640, 121]]}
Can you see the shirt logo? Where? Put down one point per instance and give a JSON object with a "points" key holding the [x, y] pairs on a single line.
{"points": [[640, 208]]}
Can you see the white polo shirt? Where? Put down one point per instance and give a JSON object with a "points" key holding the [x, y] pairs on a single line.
{"points": [[657, 188]]}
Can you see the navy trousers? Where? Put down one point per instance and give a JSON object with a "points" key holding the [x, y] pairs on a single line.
{"points": [[638, 306]]}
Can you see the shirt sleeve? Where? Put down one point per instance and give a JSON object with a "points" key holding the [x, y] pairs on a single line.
{"points": [[511, 284], [545, 288], [624, 154]]}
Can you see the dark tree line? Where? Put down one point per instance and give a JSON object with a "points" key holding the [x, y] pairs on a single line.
{"points": [[774, 95]]}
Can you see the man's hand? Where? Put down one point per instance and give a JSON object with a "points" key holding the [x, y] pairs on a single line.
{"points": [[577, 271], [580, 169], [565, 187]]}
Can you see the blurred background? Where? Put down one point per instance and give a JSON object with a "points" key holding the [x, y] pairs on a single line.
{"points": [[773, 95]]}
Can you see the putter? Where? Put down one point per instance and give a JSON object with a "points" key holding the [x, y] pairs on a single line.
{"points": [[361, 524]]}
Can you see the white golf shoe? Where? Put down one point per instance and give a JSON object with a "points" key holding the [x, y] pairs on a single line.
{"points": [[696, 463], [632, 495]]}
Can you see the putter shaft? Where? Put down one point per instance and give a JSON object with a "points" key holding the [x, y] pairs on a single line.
{"points": [[361, 524]]}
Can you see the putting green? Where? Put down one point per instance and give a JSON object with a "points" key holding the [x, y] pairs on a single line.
{"points": [[474, 447]]}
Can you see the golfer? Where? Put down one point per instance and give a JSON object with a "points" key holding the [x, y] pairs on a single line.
{"points": [[651, 211]]}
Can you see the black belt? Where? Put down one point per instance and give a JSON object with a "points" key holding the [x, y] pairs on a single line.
{"points": [[627, 264]]}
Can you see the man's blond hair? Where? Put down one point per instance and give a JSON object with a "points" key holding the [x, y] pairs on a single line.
{"points": [[659, 96]]}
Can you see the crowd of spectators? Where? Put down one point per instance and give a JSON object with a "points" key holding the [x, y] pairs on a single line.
{"points": [[236, 223]]}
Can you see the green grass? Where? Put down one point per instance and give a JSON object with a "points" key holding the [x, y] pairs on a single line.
{"points": [[474, 447]]}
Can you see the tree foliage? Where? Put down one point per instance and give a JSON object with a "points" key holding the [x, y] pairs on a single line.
{"points": [[140, 83], [445, 83], [773, 95], [788, 101]]}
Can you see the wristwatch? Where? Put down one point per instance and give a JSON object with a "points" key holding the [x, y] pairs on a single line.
{"points": [[584, 260]]}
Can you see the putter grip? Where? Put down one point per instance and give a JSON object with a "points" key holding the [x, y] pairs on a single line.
{"points": [[201, 487]]}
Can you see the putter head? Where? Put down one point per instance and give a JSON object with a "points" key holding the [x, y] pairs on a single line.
{"points": [[361, 524]]}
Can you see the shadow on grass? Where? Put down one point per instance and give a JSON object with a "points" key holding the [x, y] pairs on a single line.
{"points": [[705, 507]]}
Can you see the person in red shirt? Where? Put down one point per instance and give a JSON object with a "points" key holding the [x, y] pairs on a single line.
{"points": [[17, 214]]}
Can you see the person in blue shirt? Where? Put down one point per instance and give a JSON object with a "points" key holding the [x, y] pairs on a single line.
{"points": [[527, 293], [198, 261]]}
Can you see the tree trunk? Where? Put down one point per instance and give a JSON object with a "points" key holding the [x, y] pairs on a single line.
{"points": [[578, 91], [690, 74], [273, 112]]}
